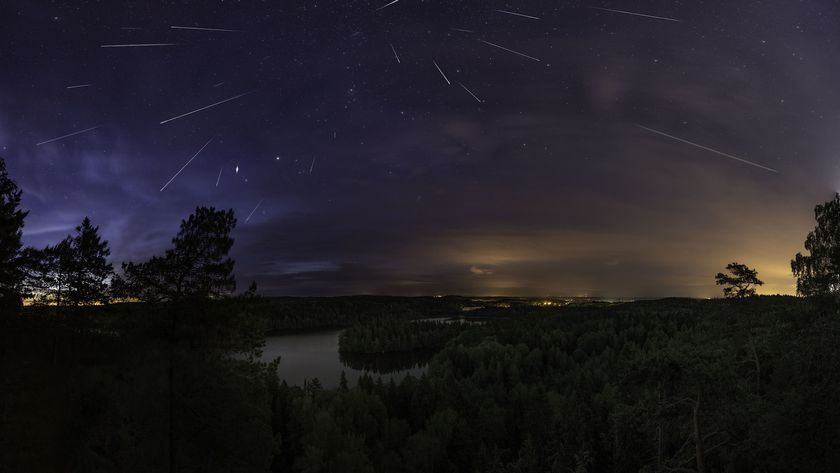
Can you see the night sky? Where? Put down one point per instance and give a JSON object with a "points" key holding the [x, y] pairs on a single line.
{"points": [[547, 172]]}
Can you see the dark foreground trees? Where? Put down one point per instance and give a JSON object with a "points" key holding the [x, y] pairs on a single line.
{"points": [[76, 271], [73, 272], [197, 265], [11, 230], [89, 268], [818, 273], [94, 393], [124, 387], [740, 282]]}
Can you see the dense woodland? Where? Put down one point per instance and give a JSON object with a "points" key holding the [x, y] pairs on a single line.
{"points": [[673, 385], [743, 385], [165, 374], [388, 334]]}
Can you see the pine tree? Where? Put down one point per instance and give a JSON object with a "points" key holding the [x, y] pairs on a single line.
{"points": [[11, 231], [51, 266], [73, 272], [196, 267], [88, 269], [200, 259], [740, 282]]}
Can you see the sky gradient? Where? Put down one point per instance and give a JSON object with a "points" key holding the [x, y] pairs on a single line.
{"points": [[371, 174]]}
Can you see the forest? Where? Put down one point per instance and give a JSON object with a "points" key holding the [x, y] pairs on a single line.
{"points": [[732, 385], [157, 367], [671, 385], [388, 334]]}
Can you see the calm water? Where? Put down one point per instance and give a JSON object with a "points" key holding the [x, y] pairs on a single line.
{"points": [[315, 355]]}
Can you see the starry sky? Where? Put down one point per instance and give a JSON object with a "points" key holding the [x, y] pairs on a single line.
{"points": [[433, 147]]}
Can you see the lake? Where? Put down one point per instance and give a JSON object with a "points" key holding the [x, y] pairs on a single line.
{"points": [[315, 355]]}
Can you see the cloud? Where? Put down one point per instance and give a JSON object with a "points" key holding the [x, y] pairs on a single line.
{"points": [[480, 271]]}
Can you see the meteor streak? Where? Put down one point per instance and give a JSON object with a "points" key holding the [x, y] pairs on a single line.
{"points": [[470, 92], [624, 12], [185, 165], [441, 73], [138, 45], [67, 135], [387, 5], [509, 50], [252, 212], [78, 86], [518, 14], [395, 53], [205, 29], [206, 107], [720, 153]]}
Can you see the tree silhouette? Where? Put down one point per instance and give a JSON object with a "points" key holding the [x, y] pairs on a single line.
{"points": [[819, 272], [88, 269], [47, 277], [740, 282], [197, 266], [73, 272], [11, 230]]}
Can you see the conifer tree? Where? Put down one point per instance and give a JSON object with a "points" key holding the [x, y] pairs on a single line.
{"points": [[196, 267], [88, 267], [11, 231]]}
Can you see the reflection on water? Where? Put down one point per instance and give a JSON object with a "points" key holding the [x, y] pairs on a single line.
{"points": [[315, 355]]}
